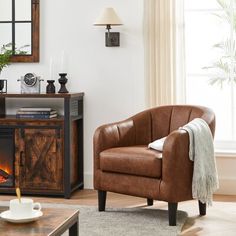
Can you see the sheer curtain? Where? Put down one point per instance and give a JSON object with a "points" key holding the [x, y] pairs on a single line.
{"points": [[164, 51]]}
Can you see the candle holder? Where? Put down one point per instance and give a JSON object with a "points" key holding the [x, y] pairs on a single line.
{"points": [[63, 80], [50, 87], [3, 86]]}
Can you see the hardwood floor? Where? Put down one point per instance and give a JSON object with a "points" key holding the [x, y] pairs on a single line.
{"points": [[220, 219]]}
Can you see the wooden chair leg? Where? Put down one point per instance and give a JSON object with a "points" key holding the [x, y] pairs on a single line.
{"points": [[149, 202], [102, 195], [172, 211], [202, 208]]}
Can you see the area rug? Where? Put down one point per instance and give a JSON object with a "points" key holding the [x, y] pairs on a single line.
{"points": [[140, 221]]}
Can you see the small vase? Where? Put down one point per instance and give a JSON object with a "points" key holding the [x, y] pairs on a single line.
{"points": [[63, 80], [50, 87], [3, 86]]}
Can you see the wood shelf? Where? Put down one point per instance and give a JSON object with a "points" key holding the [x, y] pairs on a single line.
{"points": [[41, 95], [15, 119]]}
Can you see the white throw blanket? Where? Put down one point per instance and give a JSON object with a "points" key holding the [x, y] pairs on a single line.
{"points": [[201, 151]]}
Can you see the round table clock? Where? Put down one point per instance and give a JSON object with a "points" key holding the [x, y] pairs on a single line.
{"points": [[30, 79], [30, 83]]}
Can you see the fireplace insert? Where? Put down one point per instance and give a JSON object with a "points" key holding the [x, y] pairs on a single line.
{"points": [[7, 157]]}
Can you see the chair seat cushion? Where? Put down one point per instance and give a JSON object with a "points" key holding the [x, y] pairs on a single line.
{"points": [[134, 160]]}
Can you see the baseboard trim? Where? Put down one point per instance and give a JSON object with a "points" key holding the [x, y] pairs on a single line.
{"points": [[88, 180], [227, 186]]}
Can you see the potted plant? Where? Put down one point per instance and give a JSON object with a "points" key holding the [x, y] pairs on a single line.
{"points": [[5, 58], [5, 55]]}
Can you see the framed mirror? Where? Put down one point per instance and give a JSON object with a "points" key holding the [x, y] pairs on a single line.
{"points": [[19, 29]]}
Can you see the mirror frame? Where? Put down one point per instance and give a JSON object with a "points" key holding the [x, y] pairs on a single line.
{"points": [[34, 56]]}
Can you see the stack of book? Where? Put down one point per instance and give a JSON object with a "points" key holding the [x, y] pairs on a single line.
{"points": [[36, 113]]}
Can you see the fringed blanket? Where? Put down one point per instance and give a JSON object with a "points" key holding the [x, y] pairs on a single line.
{"points": [[201, 151]]}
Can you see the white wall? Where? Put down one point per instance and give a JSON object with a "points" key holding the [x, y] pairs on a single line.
{"points": [[112, 78]]}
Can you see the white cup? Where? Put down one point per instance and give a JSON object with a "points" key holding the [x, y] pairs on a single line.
{"points": [[23, 209]]}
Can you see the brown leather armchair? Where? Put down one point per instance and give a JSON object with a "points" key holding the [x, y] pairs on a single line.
{"points": [[123, 163]]}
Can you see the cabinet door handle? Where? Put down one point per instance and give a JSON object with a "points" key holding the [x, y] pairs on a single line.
{"points": [[21, 158], [22, 133], [58, 133]]}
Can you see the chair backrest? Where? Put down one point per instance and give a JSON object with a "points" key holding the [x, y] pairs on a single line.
{"points": [[158, 122]]}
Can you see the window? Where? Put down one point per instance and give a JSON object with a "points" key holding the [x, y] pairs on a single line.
{"points": [[16, 21], [210, 49], [19, 29]]}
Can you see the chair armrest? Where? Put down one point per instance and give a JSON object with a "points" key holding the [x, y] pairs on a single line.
{"points": [[177, 169], [113, 135]]}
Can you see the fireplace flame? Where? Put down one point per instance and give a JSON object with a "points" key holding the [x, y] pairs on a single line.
{"points": [[5, 169], [4, 173], [2, 179]]}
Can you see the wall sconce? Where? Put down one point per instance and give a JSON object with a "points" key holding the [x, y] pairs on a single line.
{"points": [[109, 17]]}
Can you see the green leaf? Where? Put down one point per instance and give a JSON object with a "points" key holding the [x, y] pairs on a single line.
{"points": [[6, 53], [223, 64]]}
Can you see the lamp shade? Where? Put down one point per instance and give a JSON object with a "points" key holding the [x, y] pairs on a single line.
{"points": [[108, 17]]}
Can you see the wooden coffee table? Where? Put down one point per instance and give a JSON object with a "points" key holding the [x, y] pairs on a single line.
{"points": [[54, 222]]}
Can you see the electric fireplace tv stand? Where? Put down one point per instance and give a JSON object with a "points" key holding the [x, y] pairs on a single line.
{"points": [[42, 156]]}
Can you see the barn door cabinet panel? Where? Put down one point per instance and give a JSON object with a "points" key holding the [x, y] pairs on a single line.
{"points": [[40, 159], [48, 153]]}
